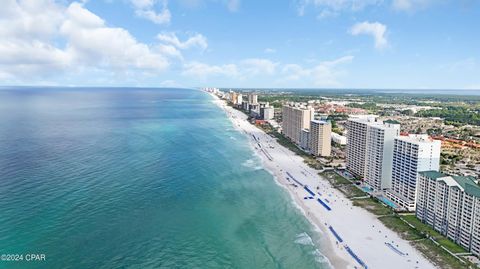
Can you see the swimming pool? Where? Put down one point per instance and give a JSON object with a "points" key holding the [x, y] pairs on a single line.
{"points": [[367, 189], [388, 202]]}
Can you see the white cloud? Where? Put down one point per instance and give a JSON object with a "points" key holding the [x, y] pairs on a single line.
{"points": [[324, 74], [332, 7], [326, 13], [43, 38], [375, 29], [270, 50], [204, 71], [169, 50], [233, 5], [169, 83], [197, 40], [242, 70], [257, 66], [90, 41], [146, 9], [410, 5]]}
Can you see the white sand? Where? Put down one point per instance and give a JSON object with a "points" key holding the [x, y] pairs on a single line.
{"points": [[360, 230]]}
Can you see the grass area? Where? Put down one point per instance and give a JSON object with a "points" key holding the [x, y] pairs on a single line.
{"points": [[450, 245], [334, 178], [433, 252], [342, 184], [439, 256], [307, 158], [351, 191], [442, 240], [374, 206], [397, 225], [416, 235], [423, 228]]}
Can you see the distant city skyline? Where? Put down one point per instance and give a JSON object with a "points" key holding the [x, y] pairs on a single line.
{"points": [[371, 44]]}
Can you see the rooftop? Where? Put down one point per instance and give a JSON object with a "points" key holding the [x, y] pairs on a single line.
{"points": [[468, 184], [392, 122], [320, 121], [417, 138]]}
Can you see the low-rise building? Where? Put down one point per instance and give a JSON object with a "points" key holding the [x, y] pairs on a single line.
{"points": [[339, 139]]}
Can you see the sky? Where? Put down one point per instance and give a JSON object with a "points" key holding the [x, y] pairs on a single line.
{"points": [[368, 44]]}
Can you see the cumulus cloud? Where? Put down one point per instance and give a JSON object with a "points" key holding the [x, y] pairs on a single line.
{"points": [[410, 5], [146, 9], [196, 40], [374, 29], [257, 66], [231, 5], [324, 74], [44, 38], [204, 71], [90, 41], [332, 7], [241, 70]]}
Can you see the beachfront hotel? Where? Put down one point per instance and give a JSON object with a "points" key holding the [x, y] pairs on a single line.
{"points": [[305, 139], [356, 144], [296, 117], [320, 138], [451, 205], [267, 113], [252, 98], [411, 154], [379, 154]]}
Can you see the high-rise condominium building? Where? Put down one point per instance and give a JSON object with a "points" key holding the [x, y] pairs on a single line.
{"points": [[356, 144], [267, 113], [252, 98], [411, 154], [295, 118], [305, 139], [379, 154], [239, 99], [320, 141], [233, 97], [451, 205]]}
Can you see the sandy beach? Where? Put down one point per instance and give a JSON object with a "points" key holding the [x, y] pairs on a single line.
{"points": [[352, 237]]}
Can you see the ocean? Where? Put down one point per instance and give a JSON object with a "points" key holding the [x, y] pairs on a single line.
{"points": [[139, 178]]}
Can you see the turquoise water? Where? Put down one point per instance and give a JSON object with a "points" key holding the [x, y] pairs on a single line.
{"points": [[138, 178], [388, 202], [367, 189]]}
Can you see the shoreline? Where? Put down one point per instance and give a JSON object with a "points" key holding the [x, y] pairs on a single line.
{"points": [[350, 237]]}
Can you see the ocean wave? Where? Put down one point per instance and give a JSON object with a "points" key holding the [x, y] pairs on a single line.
{"points": [[322, 259], [251, 163], [304, 239]]}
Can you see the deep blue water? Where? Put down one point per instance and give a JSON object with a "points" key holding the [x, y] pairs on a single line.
{"points": [[138, 178]]}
